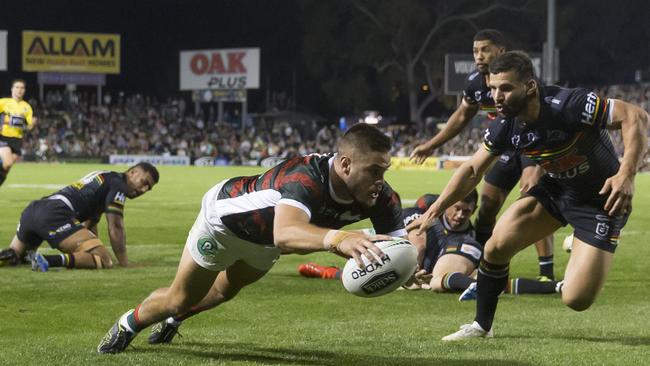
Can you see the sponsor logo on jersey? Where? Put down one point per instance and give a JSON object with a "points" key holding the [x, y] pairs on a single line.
{"points": [[411, 218], [473, 251], [567, 166], [120, 198], [588, 115], [515, 140]]}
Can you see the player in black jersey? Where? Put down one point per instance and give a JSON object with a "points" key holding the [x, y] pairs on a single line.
{"points": [[564, 131], [507, 171], [246, 222], [448, 253], [68, 219]]}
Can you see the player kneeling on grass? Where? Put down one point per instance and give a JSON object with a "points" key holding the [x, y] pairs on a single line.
{"points": [[68, 219], [246, 222], [563, 130], [448, 253]]}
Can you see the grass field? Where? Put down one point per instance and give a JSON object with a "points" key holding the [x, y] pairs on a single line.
{"points": [[58, 317]]}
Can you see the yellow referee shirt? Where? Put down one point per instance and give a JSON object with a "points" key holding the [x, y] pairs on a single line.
{"points": [[16, 116]]}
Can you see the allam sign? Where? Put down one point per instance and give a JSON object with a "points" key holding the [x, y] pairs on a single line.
{"points": [[71, 52]]}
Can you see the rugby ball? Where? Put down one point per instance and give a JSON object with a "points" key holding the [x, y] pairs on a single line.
{"points": [[394, 268]]}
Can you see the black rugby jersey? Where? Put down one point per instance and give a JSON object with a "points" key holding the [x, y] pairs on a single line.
{"points": [[477, 91], [568, 139], [96, 193], [440, 237], [246, 205]]}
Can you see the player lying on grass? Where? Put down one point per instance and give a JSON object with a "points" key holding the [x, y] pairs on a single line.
{"points": [[564, 131], [68, 219], [448, 253], [246, 222]]}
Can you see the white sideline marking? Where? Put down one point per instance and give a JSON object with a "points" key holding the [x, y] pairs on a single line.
{"points": [[38, 186]]}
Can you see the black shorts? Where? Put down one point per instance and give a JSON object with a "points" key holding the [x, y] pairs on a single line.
{"points": [[14, 143], [46, 219], [506, 172], [590, 222]]}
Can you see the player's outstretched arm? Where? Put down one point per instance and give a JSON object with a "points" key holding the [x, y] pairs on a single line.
{"points": [[633, 122], [456, 123], [117, 236], [466, 178], [293, 233]]}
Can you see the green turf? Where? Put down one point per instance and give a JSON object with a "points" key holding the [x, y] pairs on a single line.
{"points": [[58, 318]]}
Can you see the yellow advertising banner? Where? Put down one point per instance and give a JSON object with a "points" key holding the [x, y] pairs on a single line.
{"points": [[71, 52], [397, 163]]}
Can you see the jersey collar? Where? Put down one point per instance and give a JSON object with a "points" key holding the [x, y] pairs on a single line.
{"points": [[445, 223]]}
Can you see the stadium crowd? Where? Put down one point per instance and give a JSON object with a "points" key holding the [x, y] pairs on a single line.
{"points": [[71, 125]]}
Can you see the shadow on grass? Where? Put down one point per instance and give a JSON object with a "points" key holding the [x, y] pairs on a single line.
{"points": [[613, 339], [622, 340], [247, 352]]}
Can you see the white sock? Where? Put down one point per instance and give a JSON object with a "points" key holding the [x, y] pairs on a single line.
{"points": [[125, 323], [173, 321]]}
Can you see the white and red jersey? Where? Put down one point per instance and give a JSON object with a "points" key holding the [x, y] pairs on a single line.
{"points": [[246, 205]]}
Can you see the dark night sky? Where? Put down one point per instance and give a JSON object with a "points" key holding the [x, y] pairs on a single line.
{"points": [[153, 32]]}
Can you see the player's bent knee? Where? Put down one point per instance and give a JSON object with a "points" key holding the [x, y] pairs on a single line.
{"points": [[497, 250], [577, 303]]}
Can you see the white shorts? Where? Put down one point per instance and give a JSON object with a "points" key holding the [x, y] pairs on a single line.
{"points": [[216, 248]]}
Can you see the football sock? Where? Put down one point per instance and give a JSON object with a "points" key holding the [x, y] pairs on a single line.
{"points": [[456, 281], [60, 260], [492, 279], [130, 320], [528, 286], [546, 266], [3, 174]]}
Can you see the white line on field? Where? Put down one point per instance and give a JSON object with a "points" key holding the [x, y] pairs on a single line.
{"points": [[39, 186]]}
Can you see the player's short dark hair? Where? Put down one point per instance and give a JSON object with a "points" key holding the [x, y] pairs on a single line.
{"points": [[14, 81], [365, 137], [147, 168], [472, 197], [493, 36], [517, 61]]}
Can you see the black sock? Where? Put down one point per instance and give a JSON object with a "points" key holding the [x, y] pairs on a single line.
{"points": [[3, 175], [59, 260], [492, 279], [546, 266], [529, 286], [456, 281], [483, 233]]}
